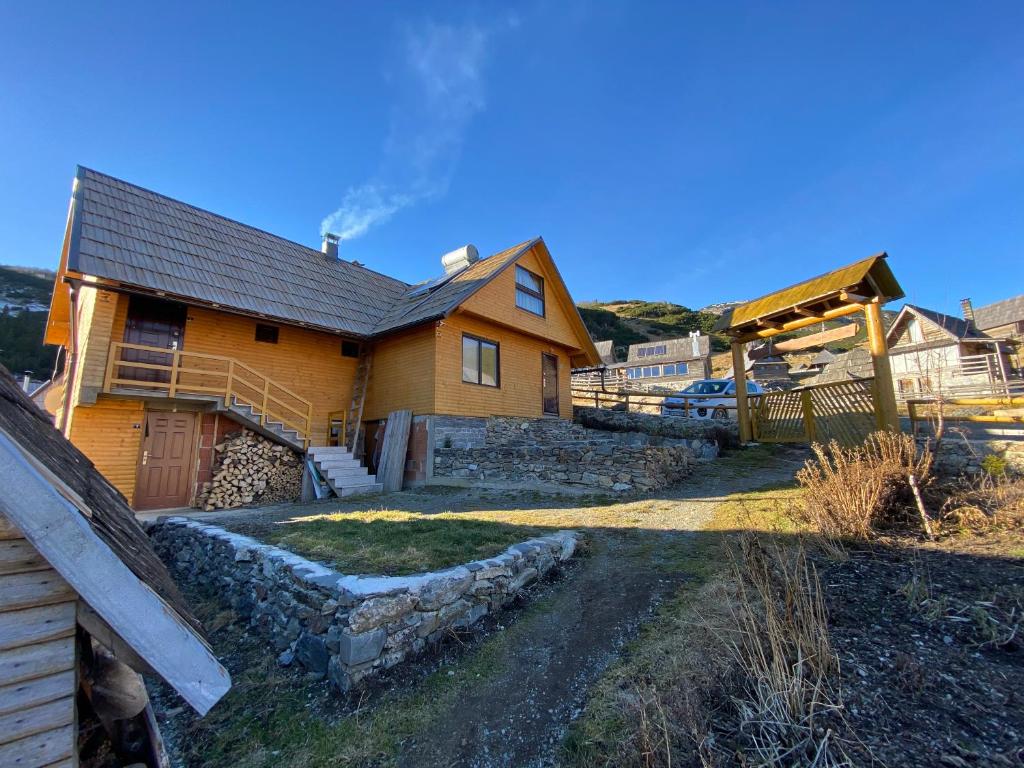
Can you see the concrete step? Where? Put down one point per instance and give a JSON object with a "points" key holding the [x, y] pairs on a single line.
{"points": [[325, 451], [355, 490], [349, 476]]}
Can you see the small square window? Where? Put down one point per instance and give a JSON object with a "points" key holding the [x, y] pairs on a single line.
{"points": [[350, 349], [266, 333]]}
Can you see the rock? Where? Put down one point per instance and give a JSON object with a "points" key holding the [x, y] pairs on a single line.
{"points": [[286, 658], [361, 648], [522, 579], [444, 588], [622, 487], [450, 613], [311, 651], [378, 610]]}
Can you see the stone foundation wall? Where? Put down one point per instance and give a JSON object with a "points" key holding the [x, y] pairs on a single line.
{"points": [[347, 627], [957, 456]]}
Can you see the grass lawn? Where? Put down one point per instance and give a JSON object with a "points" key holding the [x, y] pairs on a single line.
{"points": [[390, 542]]}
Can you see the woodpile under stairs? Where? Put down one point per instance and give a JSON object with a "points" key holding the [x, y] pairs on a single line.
{"points": [[342, 471]]}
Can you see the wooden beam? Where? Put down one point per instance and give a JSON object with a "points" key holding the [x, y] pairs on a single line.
{"points": [[742, 408], [846, 331], [133, 610], [794, 325], [809, 312], [856, 298], [885, 395]]}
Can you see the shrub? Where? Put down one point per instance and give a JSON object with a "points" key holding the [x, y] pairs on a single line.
{"points": [[849, 492], [994, 466]]}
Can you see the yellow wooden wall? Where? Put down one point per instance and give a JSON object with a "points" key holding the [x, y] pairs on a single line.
{"points": [[105, 432], [307, 362], [520, 371], [497, 300], [402, 374]]}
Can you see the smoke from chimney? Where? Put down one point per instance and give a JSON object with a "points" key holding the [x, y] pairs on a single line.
{"points": [[330, 246], [967, 309]]}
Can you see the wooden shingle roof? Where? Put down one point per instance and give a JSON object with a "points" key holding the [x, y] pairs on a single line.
{"points": [[869, 278]]}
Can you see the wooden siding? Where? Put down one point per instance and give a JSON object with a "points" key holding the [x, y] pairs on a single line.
{"points": [[402, 374], [37, 657], [97, 309], [307, 362], [107, 434], [497, 301], [930, 332], [520, 372]]}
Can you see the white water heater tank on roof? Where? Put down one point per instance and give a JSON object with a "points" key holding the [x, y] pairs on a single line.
{"points": [[459, 259]]}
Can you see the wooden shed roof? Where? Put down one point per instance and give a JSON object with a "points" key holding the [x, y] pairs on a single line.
{"points": [[868, 279], [83, 526]]}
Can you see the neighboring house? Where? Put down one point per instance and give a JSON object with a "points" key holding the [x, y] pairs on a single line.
{"points": [[1001, 320], [85, 606], [178, 321], [932, 353], [666, 363], [606, 351]]}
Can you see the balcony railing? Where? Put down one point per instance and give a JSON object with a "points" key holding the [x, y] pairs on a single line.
{"points": [[171, 373]]}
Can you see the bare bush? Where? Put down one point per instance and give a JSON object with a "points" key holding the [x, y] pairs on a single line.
{"points": [[851, 491], [791, 699], [984, 502]]}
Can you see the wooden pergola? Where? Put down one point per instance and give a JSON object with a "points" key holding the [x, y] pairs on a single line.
{"points": [[863, 286]]}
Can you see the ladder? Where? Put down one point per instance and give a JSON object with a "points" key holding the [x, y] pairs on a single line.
{"points": [[354, 418]]}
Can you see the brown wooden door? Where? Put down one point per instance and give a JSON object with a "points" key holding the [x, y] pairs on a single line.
{"points": [[165, 468], [549, 384], [152, 323]]}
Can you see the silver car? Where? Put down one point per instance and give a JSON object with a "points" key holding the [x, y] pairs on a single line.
{"points": [[708, 399]]}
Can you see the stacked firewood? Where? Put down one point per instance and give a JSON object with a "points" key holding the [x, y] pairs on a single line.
{"points": [[249, 469]]}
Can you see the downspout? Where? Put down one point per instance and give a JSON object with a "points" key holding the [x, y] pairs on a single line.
{"points": [[72, 361]]}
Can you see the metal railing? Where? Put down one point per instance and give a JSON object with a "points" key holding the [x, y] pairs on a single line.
{"points": [[137, 366]]}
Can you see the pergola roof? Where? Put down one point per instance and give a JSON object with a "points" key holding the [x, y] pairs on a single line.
{"points": [[837, 293]]}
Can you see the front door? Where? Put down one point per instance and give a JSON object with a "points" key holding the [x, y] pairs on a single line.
{"points": [[152, 323], [549, 379], [165, 468]]}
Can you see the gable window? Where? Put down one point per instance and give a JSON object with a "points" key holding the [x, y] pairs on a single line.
{"points": [[350, 349], [914, 330], [479, 361], [266, 333], [529, 291]]}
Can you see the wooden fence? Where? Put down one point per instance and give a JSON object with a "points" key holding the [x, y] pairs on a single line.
{"points": [[965, 410], [843, 411], [648, 402]]}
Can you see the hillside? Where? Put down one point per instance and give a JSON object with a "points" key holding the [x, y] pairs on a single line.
{"points": [[631, 321], [24, 301]]}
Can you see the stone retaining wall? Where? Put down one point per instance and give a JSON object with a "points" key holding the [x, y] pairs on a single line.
{"points": [[555, 454], [347, 627], [724, 433], [604, 467], [957, 456]]}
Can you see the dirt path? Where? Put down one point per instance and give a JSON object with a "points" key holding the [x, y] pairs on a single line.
{"points": [[518, 715]]}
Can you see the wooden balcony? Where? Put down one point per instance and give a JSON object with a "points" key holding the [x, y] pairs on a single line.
{"points": [[156, 372]]}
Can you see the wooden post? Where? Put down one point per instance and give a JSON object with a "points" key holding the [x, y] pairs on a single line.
{"points": [[810, 428], [739, 371], [175, 364], [886, 414], [230, 384], [266, 395]]}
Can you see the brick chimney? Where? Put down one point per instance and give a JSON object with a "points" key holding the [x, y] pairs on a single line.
{"points": [[330, 246], [967, 309]]}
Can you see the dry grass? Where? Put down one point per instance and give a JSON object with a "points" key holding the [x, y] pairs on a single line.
{"points": [[984, 503], [850, 492], [790, 699]]}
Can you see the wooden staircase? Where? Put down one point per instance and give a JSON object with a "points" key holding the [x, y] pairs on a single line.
{"points": [[343, 472], [354, 417]]}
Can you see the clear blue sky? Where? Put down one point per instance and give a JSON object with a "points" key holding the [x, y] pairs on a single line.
{"points": [[692, 152]]}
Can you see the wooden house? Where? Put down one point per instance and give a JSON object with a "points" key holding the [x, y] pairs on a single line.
{"points": [[1001, 320], [180, 323], [932, 353], [85, 606], [667, 363]]}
